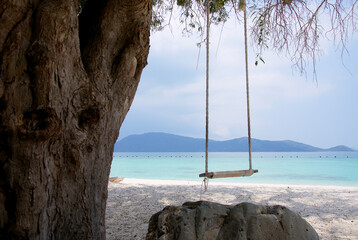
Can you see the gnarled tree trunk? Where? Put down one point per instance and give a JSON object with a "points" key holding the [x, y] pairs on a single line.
{"points": [[66, 84]]}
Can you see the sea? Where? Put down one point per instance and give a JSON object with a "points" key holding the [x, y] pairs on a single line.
{"points": [[294, 168]]}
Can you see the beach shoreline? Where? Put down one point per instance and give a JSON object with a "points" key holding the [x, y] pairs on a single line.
{"points": [[331, 210]]}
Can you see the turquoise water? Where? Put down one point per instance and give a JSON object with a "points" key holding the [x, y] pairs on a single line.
{"points": [[318, 168]]}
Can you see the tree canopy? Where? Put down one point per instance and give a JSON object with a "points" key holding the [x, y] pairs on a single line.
{"points": [[294, 27]]}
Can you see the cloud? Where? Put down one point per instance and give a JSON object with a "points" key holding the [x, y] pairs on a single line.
{"points": [[180, 98], [171, 95]]}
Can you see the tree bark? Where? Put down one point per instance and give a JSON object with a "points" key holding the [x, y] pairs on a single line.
{"points": [[66, 85]]}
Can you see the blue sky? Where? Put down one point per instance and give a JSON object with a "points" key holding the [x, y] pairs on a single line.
{"points": [[284, 104]]}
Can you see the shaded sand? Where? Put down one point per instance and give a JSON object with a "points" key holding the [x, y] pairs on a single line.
{"points": [[331, 210]]}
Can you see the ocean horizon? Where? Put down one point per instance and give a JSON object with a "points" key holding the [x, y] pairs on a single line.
{"points": [[298, 168]]}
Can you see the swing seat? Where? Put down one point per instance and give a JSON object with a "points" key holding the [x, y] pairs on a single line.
{"points": [[225, 174]]}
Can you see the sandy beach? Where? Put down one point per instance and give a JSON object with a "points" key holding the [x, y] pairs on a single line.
{"points": [[331, 210]]}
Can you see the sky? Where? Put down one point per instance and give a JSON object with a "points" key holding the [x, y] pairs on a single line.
{"points": [[284, 104]]}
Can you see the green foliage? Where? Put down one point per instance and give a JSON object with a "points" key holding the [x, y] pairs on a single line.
{"points": [[81, 4], [259, 58], [184, 3], [219, 11], [191, 13], [262, 32]]}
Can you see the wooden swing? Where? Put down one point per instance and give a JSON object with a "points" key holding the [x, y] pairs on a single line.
{"points": [[235, 173]]}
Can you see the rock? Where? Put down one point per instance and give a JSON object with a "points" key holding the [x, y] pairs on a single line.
{"points": [[116, 179], [208, 221]]}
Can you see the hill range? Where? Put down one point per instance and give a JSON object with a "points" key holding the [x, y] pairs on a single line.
{"points": [[165, 142]]}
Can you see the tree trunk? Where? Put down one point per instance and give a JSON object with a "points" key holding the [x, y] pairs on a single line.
{"points": [[66, 85]]}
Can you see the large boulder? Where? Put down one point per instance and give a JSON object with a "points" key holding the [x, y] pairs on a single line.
{"points": [[207, 220]]}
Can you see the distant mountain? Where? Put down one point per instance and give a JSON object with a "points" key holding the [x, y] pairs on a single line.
{"points": [[340, 148], [164, 142]]}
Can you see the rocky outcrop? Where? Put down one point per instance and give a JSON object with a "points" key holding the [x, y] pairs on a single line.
{"points": [[208, 220]]}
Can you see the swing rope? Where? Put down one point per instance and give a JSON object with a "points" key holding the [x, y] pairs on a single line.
{"points": [[236, 173], [247, 88], [207, 88]]}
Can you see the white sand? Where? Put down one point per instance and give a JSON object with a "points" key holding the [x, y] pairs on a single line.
{"points": [[331, 210]]}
